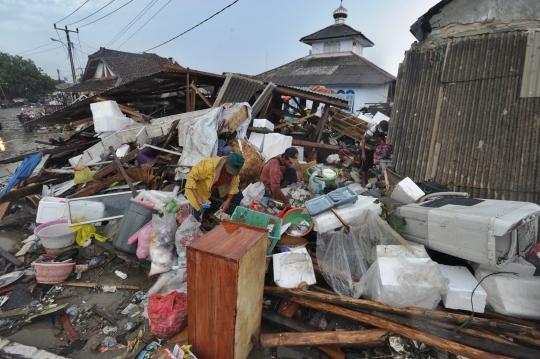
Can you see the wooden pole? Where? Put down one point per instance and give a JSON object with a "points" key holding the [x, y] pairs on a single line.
{"points": [[479, 333], [372, 305], [188, 102], [123, 172], [414, 334], [356, 338]]}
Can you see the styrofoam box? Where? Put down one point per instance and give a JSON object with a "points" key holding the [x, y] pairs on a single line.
{"points": [[407, 192], [519, 266], [509, 294], [262, 122], [418, 251], [108, 117], [292, 268], [257, 140], [380, 117], [461, 285], [51, 209]]}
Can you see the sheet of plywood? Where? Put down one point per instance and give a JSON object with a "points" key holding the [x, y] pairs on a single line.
{"points": [[250, 297]]}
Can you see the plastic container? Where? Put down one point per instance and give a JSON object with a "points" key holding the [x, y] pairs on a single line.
{"points": [[328, 221], [295, 216], [52, 273], [319, 205], [280, 214], [327, 180], [254, 218], [135, 217], [55, 234], [343, 196], [51, 209], [407, 192]]}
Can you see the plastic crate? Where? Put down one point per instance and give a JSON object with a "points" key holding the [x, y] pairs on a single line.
{"points": [[280, 214], [258, 219], [343, 196], [319, 205]]}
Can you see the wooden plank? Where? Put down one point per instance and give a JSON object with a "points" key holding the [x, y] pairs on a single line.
{"points": [[123, 172], [356, 338], [308, 144], [312, 96], [293, 121], [94, 284], [112, 167], [51, 151], [20, 217], [400, 329], [201, 95], [3, 209]]}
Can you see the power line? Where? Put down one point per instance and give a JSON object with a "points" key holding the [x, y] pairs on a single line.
{"points": [[61, 40], [112, 12], [88, 45], [72, 12], [35, 48], [92, 13], [35, 53], [132, 22], [143, 25], [185, 32]]}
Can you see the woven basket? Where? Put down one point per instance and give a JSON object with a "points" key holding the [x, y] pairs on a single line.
{"points": [[287, 241]]}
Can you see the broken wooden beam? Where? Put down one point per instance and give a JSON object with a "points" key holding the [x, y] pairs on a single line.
{"points": [[61, 149], [20, 217], [93, 284], [400, 329], [293, 121], [356, 338], [112, 167], [309, 144]]}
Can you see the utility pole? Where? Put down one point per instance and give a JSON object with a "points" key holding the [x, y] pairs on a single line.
{"points": [[69, 50], [58, 75]]}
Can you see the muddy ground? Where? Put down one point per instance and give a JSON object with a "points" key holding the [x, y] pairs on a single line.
{"points": [[47, 332]]}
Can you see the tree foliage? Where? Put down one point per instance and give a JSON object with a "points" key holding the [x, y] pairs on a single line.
{"points": [[22, 78]]}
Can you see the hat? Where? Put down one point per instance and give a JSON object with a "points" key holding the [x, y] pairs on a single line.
{"points": [[235, 163], [384, 125], [292, 153]]}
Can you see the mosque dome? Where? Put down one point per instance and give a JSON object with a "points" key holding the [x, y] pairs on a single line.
{"points": [[341, 14]]}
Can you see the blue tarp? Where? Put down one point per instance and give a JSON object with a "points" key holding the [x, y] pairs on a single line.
{"points": [[24, 171]]}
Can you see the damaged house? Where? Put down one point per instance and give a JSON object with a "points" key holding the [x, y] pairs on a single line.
{"points": [[467, 109]]}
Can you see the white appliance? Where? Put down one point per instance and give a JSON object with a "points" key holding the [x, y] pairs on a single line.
{"points": [[489, 232]]}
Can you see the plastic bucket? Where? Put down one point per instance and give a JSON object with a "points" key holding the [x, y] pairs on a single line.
{"points": [[433, 187], [135, 217], [52, 273], [55, 234], [295, 216]]}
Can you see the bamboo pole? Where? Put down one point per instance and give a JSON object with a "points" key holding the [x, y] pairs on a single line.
{"points": [[522, 337], [414, 334], [357, 338], [432, 314]]}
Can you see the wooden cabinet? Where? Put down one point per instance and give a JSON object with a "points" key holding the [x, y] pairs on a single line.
{"points": [[225, 270]]}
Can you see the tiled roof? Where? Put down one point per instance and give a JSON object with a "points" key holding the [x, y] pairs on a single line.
{"points": [[95, 85], [335, 31], [328, 69], [126, 65]]}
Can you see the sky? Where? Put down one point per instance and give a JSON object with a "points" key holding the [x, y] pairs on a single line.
{"points": [[249, 37]]}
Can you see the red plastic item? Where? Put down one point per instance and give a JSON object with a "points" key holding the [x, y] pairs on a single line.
{"points": [[279, 215], [348, 155], [167, 314]]}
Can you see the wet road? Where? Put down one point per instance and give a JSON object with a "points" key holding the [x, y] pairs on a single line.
{"points": [[14, 140]]}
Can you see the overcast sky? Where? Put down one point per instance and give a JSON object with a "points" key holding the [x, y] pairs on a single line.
{"points": [[249, 37]]}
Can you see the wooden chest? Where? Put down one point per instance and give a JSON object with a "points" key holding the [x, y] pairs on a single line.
{"points": [[225, 270]]}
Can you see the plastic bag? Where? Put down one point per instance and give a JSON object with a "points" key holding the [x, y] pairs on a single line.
{"points": [[315, 187], [345, 258], [143, 247], [161, 243], [166, 283], [253, 192], [188, 232], [160, 199], [83, 175], [167, 314], [85, 232], [404, 282]]}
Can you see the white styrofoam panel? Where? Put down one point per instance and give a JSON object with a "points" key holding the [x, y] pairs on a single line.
{"points": [[461, 285]]}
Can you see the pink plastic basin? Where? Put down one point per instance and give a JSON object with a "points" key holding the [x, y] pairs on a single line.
{"points": [[55, 234], [52, 273]]}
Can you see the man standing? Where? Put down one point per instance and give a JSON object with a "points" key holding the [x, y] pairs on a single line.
{"points": [[373, 137], [278, 173], [218, 174]]}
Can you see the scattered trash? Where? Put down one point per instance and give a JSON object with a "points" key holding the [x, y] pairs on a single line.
{"points": [[122, 275]]}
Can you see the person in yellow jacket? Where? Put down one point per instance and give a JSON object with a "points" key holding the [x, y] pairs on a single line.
{"points": [[211, 174]]}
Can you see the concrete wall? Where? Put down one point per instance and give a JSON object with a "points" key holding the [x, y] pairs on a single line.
{"points": [[467, 12], [346, 46]]}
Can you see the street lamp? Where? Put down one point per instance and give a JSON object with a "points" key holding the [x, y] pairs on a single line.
{"points": [[70, 58]]}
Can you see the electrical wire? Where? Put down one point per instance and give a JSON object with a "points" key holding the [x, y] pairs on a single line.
{"points": [[80, 47], [144, 24], [185, 32], [35, 48], [112, 12], [92, 13], [67, 55], [35, 53], [131, 23], [72, 12]]}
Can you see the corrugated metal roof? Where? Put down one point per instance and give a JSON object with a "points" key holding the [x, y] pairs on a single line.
{"points": [[458, 117], [306, 89], [530, 86], [336, 31], [237, 89]]}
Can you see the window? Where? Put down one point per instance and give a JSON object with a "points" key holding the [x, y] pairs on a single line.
{"points": [[349, 96], [332, 46]]}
